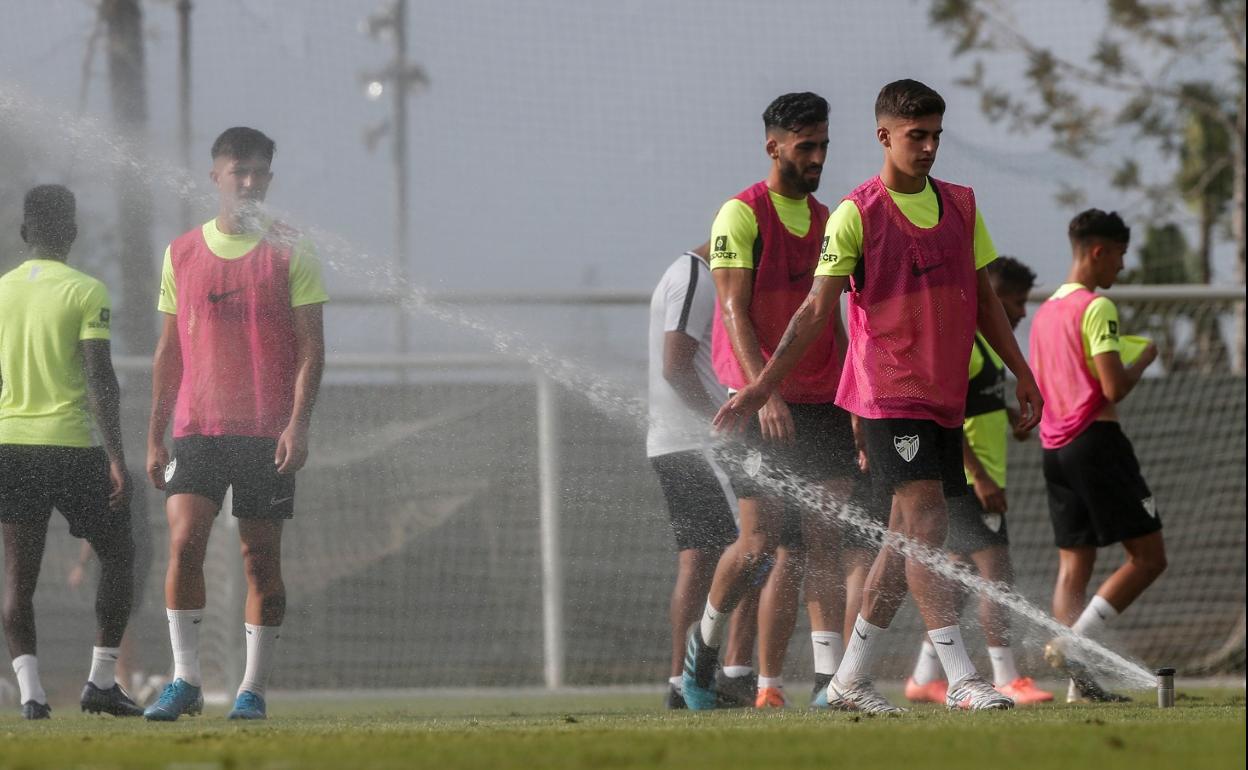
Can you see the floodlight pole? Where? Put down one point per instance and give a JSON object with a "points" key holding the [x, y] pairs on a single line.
{"points": [[401, 231], [184, 103], [553, 650]]}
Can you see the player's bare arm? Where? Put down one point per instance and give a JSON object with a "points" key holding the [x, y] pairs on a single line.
{"points": [[104, 401], [995, 327], [292, 445], [990, 494], [1117, 381], [166, 378], [734, 287], [804, 328], [679, 350]]}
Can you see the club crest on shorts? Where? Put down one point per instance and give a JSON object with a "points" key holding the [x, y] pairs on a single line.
{"points": [[170, 468], [906, 446], [753, 463], [993, 521], [1150, 506]]}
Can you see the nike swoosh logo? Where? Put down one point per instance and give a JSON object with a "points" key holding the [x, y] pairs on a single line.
{"points": [[922, 271], [947, 644], [283, 500], [794, 278], [825, 644], [860, 634], [197, 621], [1098, 613], [215, 298]]}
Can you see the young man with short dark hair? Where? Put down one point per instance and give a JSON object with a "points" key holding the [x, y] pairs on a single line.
{"points": [[1097, 496], [56, 374], [764, 251], [913, 250], [237, 368]]}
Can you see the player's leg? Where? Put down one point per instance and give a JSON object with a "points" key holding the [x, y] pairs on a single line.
{"points": [[736, 683], [777, 615], [824, 586], [25, 507], [24, 541], [263, 500], [994, 564], [747, 559], [694, 569]]}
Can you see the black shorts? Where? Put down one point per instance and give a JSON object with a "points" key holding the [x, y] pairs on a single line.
{"points": [[1097, 496], [823, 449], [696, 502], [971, 528], [867, 502], [73, 480], [900, 450], [207, 465]]}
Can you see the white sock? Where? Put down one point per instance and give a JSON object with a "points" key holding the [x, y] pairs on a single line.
{"points": [[736, 672], [676, 681], [952, 652], [829, 647], [261, 657], [104, 667], [1004, 670], [27, 669], [714, 624], [927, 668], [1096, 616], [184, 637], [771, 681], [857, 660]]}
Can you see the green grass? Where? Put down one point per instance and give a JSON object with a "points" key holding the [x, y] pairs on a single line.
{"points": [[1206, 729]]}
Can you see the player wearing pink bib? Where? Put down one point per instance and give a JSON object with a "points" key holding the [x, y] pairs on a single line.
{"points": [[1097, 496], [237, 368], [765, 248], [919, 288]]}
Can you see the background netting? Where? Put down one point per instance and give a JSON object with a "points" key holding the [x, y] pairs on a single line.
{"points": [[414, 558]]}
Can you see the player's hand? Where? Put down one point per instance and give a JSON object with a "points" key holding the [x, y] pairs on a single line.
{"points": [[733, 416], [776, 421], [991, 496], [1030, 404], [77, 575], [860, 443], [119, 485], [1149, 354], [157, 459], [292, 449]]}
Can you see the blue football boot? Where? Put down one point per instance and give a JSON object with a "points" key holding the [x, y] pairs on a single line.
{"points": [[698, 678], [247, 705], [179, 697]]}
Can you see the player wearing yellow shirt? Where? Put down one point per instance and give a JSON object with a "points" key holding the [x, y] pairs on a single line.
{"points": [[56, 374], [1097, 494]]}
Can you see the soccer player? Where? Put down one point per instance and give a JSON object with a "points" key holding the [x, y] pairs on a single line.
{"points": [[1097, 496], [765, 247], [915, 250], [683, 394], [237, 368], [978, 535], [56, 374]]}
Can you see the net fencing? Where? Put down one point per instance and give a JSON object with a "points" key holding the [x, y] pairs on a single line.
{"points": [[416, 558]]}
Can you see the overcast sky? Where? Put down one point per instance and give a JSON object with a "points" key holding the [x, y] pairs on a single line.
{"points": [[562, 143]]}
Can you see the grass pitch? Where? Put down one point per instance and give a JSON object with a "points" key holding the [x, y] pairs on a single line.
{"points": [[1205, 729]]}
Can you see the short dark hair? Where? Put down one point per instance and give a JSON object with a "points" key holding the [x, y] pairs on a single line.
{"points": [[793, 112], [48, 218], [908, 99], [1095, 224], [241, 142], [1011, 274]]}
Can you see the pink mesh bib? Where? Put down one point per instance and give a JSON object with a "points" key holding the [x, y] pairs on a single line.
{"points": [[1072, 395], [236, 329], [783, 275], [912, 321]]}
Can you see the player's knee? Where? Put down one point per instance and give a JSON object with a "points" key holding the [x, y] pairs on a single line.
{"points": [[1151, 564]]}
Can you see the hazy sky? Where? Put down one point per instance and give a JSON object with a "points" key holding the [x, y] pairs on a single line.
{"points": [[562, 143]]}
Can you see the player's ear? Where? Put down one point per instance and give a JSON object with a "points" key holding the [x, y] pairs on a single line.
{"points": [[772, 146], [881, 135]]}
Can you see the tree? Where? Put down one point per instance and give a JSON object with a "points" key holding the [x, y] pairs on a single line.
{"points": [[1141, 63]]}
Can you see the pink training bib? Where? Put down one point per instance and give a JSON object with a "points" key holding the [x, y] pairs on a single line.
{"points": [[912, 322], [236, 329], [783, 275], [1072, 395]]}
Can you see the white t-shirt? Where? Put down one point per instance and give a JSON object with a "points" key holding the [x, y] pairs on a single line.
{"points": [[684, 301]]}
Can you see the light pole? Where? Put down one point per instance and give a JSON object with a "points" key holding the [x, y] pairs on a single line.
{"points": [[400, 77]]}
